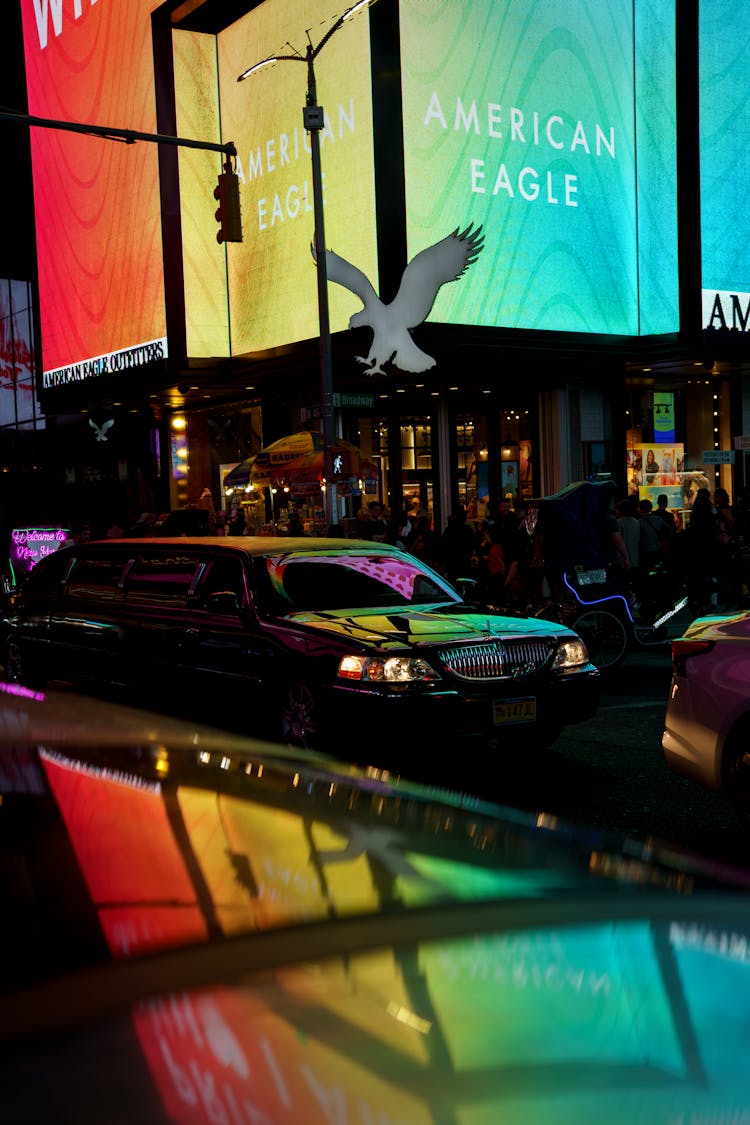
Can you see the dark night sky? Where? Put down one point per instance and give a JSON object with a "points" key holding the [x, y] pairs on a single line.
{"points": [[17, 247]]}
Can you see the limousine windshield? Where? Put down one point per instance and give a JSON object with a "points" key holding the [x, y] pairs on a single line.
{"points": [[313, 583]]}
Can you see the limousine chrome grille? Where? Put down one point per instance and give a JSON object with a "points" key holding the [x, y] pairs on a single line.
{"points": [[492, 660]]}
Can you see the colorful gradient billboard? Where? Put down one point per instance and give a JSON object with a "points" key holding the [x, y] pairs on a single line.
{"points": [[204, 259], [272, 278], [97, 204], [552, 126], [724, 146]]}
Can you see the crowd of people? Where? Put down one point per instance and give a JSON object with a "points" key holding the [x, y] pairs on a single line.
{"points": [[711, 552], [706, 557], [655, 555], [496, 552]]}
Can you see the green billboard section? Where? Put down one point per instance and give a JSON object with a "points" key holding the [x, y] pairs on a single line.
{"points": [[656, 166], [724, 30], [528, 119]]}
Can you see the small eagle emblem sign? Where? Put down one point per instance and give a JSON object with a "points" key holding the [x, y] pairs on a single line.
{"points": [[101, 431], [392, 323]]}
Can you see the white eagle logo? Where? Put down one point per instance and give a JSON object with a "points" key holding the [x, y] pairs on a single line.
{"points": [[101, 431], [391, 324]]}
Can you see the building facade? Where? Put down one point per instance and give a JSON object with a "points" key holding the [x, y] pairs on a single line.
{"points": [[541, 211]]}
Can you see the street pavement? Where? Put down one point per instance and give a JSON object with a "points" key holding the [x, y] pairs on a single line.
{"points": [[610, 771]]}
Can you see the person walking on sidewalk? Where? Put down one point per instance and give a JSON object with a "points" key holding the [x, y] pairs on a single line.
{"points": [[701, 554]]}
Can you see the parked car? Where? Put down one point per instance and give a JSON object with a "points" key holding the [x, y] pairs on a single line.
{"points": [[349, 644], [199, 929], [707, 725]]}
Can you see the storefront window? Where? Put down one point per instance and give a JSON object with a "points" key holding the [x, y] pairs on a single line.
{"points": [[416, 444], [677, 441], [472, 464], [479, 439], [416, 464], [510, 459], [516, 456], [373, 445]]}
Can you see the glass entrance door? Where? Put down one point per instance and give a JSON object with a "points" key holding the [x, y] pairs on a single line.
{"points": [[416, 465]]}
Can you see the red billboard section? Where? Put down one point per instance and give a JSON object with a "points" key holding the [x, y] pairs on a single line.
{"points": [[97, 206], [134, 870]]}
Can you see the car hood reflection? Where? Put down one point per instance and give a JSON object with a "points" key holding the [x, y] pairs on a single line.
{"points": [[411, 627], [229, 931]]}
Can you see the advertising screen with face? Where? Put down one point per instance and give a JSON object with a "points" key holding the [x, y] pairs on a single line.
{"points": [[552, 127], [98, 227], [272, 276], [724, 142]]}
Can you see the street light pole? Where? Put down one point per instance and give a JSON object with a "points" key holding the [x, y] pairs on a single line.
{"points": [[313, 121], [312, 116]]}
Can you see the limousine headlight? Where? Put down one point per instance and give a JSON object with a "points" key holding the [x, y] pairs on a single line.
{"points": [[386, 669], [570, 654]]}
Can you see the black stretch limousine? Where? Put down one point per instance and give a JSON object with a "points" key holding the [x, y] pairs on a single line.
{"points": [[335, 643]]}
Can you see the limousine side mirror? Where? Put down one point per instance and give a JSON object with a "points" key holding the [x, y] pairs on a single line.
{"points": [[223, 602]]}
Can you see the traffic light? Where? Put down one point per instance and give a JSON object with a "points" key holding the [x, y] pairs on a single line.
{"points": [[228, 214]]}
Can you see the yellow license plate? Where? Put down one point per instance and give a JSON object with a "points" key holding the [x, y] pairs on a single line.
{"points": [[515, 710]]}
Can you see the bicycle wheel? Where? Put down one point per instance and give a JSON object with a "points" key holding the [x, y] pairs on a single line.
{"points": [[604, 635]]}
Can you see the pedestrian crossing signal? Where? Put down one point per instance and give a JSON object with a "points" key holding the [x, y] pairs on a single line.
{"points": [[338, 464], [228, 213]]}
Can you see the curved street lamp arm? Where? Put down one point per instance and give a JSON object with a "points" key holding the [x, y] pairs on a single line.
{"points": [[312, 52], [267, 62], [361, 4], [331, 31]]}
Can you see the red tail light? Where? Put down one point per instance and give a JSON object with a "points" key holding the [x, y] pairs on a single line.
{"points": [[682, 650]]}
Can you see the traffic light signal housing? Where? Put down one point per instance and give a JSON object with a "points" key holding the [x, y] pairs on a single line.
{"points": [[228, 213]]}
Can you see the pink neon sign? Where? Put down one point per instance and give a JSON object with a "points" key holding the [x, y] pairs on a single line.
{"points": [[30, 544]]}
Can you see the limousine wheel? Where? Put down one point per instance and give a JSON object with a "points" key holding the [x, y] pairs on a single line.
{"points": [[17, 669], [299, 725]]}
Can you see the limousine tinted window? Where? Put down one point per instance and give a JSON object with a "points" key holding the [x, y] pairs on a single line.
{"points": [[339, 581], [221, 575], [49, 573], [97, 575], [163, 575]]}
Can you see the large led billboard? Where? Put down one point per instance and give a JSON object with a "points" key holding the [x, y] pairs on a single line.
{"points": [[724, 31], [271, 275], [97, 204], [552, 126], [204, 259]]}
